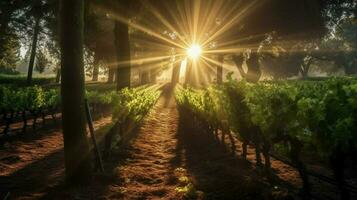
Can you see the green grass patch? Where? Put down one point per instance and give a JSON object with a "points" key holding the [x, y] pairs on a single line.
{"points": [[20, 80]]}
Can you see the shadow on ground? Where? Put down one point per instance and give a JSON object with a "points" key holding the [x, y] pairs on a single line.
{"points": [[216, 172], [165, 145]]}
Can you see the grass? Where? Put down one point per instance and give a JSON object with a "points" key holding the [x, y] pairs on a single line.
{"points": [[49, 82], [20, 80], [100, 87]]}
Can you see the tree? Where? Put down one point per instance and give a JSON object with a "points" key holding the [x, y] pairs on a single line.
{"points": [[120, 12], [305, 66], [95, 38], [76, 147], [338, 47], [41, 62], [96, 65], [9, 37], [38, 8], [99, 37], [34, 46], [247, 27], [252, 61], [290, 22], [51, 25], [55, 55], [281, 59], [8, 15], [122, 43], [220, 69], [175, 77], [343, 43], [10, 54], [284, 21], [89, 62]]}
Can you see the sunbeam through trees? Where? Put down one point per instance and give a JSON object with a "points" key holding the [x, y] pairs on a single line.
{"points": [[178, 99]]}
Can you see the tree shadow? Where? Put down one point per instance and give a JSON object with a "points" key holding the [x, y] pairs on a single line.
{"points": [[210, 167], [101, 183], [34, 178], [31, 134], [216, 172], [167, 94]]}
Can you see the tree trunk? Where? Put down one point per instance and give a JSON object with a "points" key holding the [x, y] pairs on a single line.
{"points": [[58, 75], [304, 72], [4, 24], [350, 69], [220, 70], [144, 77], [76, 146], [238, 60], [122, 44], [188, 74], [254, 72], [153, 76], [305, 67], [176, 73], [111, 75], [95, 70], [33, 50], [266, 150], [244, 149], [258, 159], [337, 164]]}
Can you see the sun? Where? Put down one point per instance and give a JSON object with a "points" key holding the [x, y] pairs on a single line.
{"points": [[194, 51]]}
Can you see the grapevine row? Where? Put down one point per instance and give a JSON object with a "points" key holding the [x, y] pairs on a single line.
{"points": [[26, 102], [319, 116], [35, 101]]}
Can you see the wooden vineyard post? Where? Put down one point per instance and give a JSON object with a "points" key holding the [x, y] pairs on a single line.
{"points": [[94, 141]]}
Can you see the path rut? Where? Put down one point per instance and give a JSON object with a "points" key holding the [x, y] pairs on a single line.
{"points": [[148, 172]]}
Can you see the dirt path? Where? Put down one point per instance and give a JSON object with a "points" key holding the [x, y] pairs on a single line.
{"points": [[165, 160], [168, 161], [32, 163], [147, 172]]}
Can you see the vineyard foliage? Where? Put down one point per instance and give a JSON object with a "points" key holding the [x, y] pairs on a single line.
{"points": [[27, 99], [126, 104], [319, 116]]}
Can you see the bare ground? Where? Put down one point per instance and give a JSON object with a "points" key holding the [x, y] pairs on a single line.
{"points": [[165, 160]]}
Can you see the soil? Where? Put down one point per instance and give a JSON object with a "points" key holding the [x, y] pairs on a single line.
{"points": [[165, 160]]}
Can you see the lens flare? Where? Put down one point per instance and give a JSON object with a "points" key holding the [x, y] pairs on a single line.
{"points": [[194, 51]]}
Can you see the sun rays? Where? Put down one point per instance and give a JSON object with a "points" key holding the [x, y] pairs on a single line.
{"points": [[200, 31], [194, 51]]}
